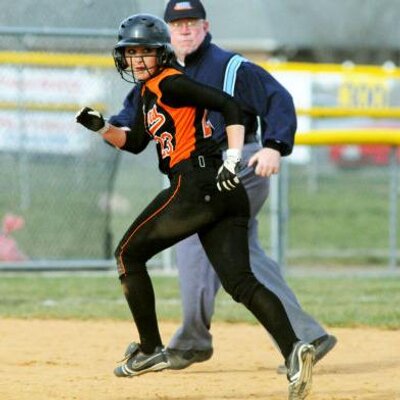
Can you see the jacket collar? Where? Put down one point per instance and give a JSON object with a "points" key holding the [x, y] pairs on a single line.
{"points": [[192, 58]]}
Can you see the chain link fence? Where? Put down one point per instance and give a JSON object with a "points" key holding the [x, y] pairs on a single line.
{"points": [[67, 198], [58, 205]]}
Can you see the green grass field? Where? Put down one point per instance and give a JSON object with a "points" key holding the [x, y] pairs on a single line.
{"points": [[340, 301], [345, 210]]}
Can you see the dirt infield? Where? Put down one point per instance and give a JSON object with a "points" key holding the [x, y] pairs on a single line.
{"points": [[43, 360]]}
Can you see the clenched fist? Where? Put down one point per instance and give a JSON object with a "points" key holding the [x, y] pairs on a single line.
{"points": [[92, 119]]}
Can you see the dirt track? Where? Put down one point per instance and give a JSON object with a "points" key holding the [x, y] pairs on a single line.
{"points": [[43, 360]]}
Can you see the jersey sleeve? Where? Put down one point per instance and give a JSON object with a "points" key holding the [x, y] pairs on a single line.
{"points": [[131, 116], [182, 91], [261, 94], [137, 138]]}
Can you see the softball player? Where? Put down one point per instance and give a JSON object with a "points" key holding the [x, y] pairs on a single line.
{"points": [[261, 97], [205, 197]]}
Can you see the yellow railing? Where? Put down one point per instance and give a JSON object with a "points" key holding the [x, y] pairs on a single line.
{"points": [[56, 59], [345, 112], [58, 107], [378, 136], [106, 61], [330, 68]]}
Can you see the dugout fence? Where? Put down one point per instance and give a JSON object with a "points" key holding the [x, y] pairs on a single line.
{"points": [[77, 196]]}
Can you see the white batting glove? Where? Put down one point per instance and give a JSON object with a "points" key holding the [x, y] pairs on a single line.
{"points": [[92, 119], [227, 174]]}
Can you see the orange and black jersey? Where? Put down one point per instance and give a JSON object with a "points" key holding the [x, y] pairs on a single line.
{"points": [[175, 117]]}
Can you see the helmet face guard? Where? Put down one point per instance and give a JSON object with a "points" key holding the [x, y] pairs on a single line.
{"points": [[143, 30], [164, 57]]}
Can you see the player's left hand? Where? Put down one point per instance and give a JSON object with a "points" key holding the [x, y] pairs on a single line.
{"points": [[227, 178], [266, 162]]}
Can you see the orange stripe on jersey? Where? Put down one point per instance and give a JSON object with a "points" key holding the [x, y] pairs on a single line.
{"points": [[183, 118], [155, 213]]}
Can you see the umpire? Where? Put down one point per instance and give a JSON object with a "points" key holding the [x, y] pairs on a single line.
{"points": [[267, 108]]}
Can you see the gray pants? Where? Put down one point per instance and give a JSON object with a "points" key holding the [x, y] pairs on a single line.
{"points": [[199, 283]]}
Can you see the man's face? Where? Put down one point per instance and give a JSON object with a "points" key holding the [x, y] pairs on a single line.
{"points": [[187, 35]]}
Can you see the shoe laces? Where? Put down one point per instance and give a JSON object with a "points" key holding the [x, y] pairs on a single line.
{"points": [[132, 349]]}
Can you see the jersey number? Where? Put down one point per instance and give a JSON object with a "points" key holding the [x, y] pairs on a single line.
{"points": [[165, 142]]}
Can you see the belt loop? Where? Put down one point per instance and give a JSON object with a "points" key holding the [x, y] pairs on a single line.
{"points": [[202, 161]]}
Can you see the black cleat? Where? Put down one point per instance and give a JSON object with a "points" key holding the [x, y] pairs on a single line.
{"points": [[138, 363], [180, 359], [323, 346]]}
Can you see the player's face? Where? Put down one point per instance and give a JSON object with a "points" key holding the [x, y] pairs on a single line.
{"points": [[187, 35], [142, 61]]}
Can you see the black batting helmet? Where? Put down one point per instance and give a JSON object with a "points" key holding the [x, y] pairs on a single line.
{"points": [[143, 30]]}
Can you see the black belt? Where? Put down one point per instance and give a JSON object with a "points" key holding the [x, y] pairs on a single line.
{"points": [[193, 163]]}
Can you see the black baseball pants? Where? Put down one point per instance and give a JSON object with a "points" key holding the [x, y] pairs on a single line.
{"points": [[192, 204]]}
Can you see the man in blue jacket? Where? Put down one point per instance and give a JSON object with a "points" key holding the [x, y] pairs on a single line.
{"points": [[266, 103], [267, 108]]}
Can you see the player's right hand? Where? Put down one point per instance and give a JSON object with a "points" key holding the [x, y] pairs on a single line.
{"points": [[92, 119], [265, 162]]}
